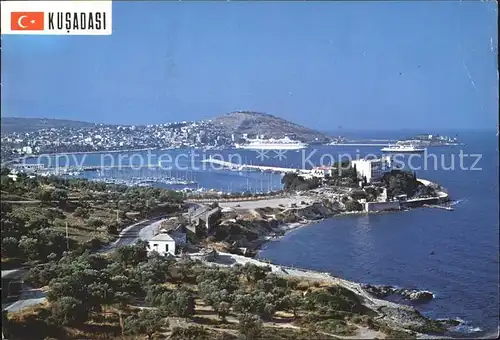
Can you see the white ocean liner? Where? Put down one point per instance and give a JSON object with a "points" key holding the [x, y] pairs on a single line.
{"points": [[272, 144], [402, 149]]}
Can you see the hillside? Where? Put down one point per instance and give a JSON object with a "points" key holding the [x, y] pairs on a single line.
{"points": [[237, 123], [21, 125], [253, 123]]}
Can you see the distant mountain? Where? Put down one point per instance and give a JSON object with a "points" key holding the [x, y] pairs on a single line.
{"points": [[256, 123], [18, 124]]}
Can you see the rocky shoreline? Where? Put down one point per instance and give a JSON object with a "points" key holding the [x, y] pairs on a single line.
{"points": [[274, 223], [396, 317], [381, 291]]}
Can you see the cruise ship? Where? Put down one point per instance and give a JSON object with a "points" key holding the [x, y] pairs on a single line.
{"points": [[272, 144], [402, 149]]}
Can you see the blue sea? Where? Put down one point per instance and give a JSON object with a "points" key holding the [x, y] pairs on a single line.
{"points": [[454, 254]]}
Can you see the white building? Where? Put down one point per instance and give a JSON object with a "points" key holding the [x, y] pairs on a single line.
{"points": [[27, 150], [163, 243], [372, 169]]}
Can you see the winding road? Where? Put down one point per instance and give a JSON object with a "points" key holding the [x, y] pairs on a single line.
{"points": [[143, 230]]}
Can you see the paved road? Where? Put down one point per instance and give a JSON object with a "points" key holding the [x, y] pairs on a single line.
{"points": [[29, 297], [271, 202], [196, 209], [143, 230]]}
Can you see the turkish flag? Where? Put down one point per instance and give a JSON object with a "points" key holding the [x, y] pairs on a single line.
{"points": [[27, 21]]}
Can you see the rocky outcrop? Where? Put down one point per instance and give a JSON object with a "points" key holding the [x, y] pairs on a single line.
{"points": [[415, 295], [407, 318], [312, 212], [378, 291]]}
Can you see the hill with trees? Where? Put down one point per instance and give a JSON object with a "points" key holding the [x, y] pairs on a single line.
{"points": [[37, 211], [133, 295]]}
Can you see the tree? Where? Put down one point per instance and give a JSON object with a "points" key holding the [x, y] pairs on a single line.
{"points": [[45, 195], [184, 268], [68, 311], [154, 271], [358, 194], [80, 212], [223, 310], [292, 181], [353, 206], [179, 303], [250, 326], [292, 302], [30, 247], [10, 247], [400, 182], [354, 173], [94, 223], [189, 333], [255, 273], [112, 229], [132, 255], [59, 195], [147, 321]]}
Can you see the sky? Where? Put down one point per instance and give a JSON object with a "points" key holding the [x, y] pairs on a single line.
{"points": [[327, 65]]}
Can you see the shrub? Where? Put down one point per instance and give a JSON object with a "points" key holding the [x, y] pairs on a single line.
{"points": [[250, 326]]}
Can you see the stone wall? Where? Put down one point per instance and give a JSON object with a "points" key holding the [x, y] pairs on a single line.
{"points": [[381, 206]]}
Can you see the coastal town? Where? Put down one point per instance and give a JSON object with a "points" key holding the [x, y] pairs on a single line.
{"points": [[100, 137], [52, 137]]}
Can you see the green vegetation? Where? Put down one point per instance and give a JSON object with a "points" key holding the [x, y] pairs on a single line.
{"points": [[292, 181], [147, 322], [343, 174], [97, 296], [232, 195], [36, 212], [353, 205], [399, 182]]}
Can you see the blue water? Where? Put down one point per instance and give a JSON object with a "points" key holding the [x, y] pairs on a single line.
{"points": [[395, 248], [390, 248]]}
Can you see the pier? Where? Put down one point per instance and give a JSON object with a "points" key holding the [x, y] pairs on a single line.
{"points": [[358, 144], [249, 167]]}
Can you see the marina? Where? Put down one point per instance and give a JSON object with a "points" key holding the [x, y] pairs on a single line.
{"points": [[143, 182]]}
